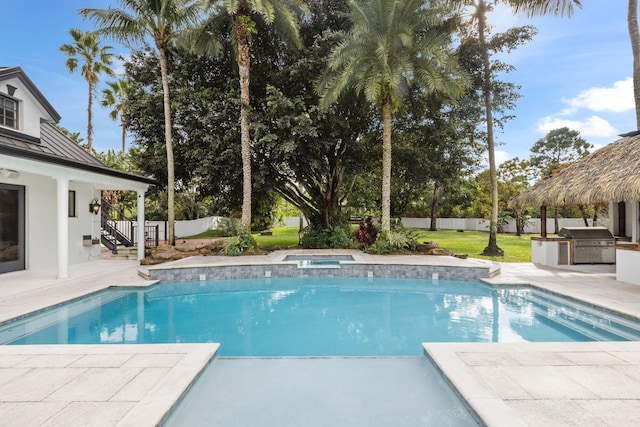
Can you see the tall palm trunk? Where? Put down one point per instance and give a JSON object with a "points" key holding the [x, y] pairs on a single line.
{"points": [[632, 21], [434, 207], [245, 143], [90, 119], [492, 248], [124, 134], [386, 165], [171, 216]]}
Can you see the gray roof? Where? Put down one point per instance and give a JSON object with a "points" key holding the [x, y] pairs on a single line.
{"points": [[55, 147], [7, 73]]}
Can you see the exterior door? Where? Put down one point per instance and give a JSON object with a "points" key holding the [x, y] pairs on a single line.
{"points": [[12, 245]]}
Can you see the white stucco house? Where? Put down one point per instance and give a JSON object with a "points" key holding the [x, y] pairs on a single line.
{"points": [[47, 184]]}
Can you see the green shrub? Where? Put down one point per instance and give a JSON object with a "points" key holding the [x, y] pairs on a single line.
{"points": [[331, 238], [394, 240], [240, 244], [230, 227]]}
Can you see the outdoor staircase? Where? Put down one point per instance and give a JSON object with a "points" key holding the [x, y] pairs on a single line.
{"points": [[118, 233]]}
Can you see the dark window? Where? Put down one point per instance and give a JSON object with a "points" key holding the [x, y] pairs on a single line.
{"points": [[72, 203], [8, 112]]}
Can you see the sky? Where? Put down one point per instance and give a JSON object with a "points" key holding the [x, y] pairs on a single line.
{"points": [[575, 73]]}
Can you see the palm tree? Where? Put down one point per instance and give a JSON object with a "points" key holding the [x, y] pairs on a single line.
{"points": [[162, 21], [116, 96], [392, 44], [634, 36], [481, 7], [96, 60], [281, 15]]}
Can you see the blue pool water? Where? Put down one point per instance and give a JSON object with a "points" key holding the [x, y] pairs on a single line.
{"points": [[320, 317]]}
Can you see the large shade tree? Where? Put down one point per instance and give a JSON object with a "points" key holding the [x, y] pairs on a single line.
{"points": [[479, 15], [161, 21], [95, 59], [245, 16], [392, 44]]}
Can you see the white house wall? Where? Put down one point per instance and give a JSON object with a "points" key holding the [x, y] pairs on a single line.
{"points": [[41, 217], [28, 107]]}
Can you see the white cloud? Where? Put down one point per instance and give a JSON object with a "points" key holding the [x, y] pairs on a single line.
{"points": [[616, 98], [593, 126], [500, 155]]}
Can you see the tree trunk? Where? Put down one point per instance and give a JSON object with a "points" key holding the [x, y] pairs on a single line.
{"points": [[584, 215], [434, 207], [171, 216], [519, 224], [124, 134], [90, 119], [386, 166], [634, 36], [492, 248], [244, 60]]}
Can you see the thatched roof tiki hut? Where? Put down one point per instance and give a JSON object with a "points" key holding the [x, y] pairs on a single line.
{"points": [[610, 175]]}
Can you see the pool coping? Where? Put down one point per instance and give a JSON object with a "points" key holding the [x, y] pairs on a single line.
{"points": [[598, 289]]}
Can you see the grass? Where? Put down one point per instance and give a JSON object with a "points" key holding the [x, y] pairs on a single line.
{"points": [[472, 243]]}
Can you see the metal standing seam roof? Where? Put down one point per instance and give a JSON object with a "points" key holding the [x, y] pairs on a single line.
{"points": [[56, 148]]}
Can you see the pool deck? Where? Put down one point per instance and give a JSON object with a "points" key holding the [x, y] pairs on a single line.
{"points": [[519, 384]]}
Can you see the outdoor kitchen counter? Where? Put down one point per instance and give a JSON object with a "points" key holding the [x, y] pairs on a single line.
{"points": [[550, 239], [627, 261], [628, 246]]}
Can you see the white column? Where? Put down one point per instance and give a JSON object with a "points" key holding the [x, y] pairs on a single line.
{"points": [[614, 227], [141, 224], [62, 211], [634, 221]]}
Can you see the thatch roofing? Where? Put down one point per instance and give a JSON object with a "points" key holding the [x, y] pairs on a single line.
{"points": [[611, 173]]}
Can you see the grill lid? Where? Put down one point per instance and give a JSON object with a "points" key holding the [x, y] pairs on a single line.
{"points": [[586, 233]]}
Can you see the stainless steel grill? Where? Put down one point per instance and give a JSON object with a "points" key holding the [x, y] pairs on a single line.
{"points": [[591, 245]]}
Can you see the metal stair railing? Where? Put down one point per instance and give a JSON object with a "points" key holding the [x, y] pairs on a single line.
{"points": [[117, 230]]}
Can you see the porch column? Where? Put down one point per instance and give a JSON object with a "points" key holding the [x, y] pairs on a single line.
{"points": [[634, 223], [62, 204], [141, 238], [543, 221]]}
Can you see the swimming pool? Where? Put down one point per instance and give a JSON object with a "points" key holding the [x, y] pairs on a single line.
{"points": [[311, 316]]}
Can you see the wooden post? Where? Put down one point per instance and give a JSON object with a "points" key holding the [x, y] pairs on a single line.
{"points": [[543, 221]]}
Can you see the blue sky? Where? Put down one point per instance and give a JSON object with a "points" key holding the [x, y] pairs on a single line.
{"points": [[575, 73]]}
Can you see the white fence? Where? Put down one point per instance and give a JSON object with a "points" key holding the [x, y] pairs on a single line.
{"points": [[479, 224], [197, 226]]}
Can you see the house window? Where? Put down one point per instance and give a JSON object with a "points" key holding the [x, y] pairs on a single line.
{"points": [[8, 112], [72, 204]]}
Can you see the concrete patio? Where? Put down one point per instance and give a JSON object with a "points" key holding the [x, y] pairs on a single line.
{"points": [[533, 384]]}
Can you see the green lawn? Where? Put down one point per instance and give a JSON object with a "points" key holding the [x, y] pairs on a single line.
{"points": [[472, 243], [516, 249]]}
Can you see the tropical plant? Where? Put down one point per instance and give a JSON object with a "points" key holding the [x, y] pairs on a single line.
{"points": [[479, 15], [161, 21], [240, 244], [280, 16], [367, 232], [336, 237], [393, 44], [115, 96], [96, 59]]}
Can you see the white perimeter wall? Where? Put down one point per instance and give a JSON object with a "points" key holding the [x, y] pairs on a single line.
{"points": [[197, 226]]}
